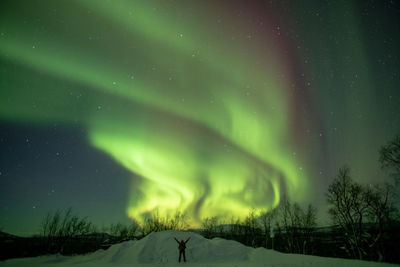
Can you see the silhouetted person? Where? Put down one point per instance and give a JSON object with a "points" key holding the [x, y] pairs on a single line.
{"points": [[182, 247]]}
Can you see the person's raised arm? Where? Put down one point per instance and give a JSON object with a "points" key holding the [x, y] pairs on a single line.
{"points": [[187, 240], [176, 240]]}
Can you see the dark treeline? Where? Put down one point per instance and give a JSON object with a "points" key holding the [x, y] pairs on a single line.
{"points": [[365, 219], [365, 224], [66, 233]]}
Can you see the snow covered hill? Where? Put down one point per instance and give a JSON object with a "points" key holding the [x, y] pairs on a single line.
{"points": [[160, 249]]}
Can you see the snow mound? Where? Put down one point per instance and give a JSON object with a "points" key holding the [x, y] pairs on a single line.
{"points": [[160, 249]]}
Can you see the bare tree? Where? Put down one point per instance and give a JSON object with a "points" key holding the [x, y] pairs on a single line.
{"points": [[309, 222], [297, 225], [122, 232], [178, 221], [236, 228], [381, 215], [389, 156], [364, 215], [132, 230], [252, 228], [60, 227], [266, 221], [349, 207], [156, 223], [209, 226], [290, 215]]}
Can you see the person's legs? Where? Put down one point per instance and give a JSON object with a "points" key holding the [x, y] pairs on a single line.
{"points": [[180, 254], [184, 257]]}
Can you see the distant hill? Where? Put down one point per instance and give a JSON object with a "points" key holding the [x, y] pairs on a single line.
{"points": [[4, 235]]}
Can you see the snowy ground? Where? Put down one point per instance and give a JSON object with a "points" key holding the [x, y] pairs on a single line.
{"points": [[160, 249]]}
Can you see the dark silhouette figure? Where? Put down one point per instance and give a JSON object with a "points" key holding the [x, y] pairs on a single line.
{"points": [[182, 247]]}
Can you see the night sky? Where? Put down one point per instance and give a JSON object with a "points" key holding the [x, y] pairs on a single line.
{"points": [[120, 109]]}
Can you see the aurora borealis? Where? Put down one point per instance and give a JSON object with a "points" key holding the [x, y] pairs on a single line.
{"points": [[204, 107]]}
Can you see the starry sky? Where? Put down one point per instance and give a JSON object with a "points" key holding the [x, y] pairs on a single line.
{"points": [[123, 109]]}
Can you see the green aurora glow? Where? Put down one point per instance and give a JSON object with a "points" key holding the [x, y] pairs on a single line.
{"points": [[201, 114], [193, 125]]}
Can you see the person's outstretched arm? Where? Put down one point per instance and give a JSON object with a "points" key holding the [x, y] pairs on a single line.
{"points": [[176, 240], [187, 240]]}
